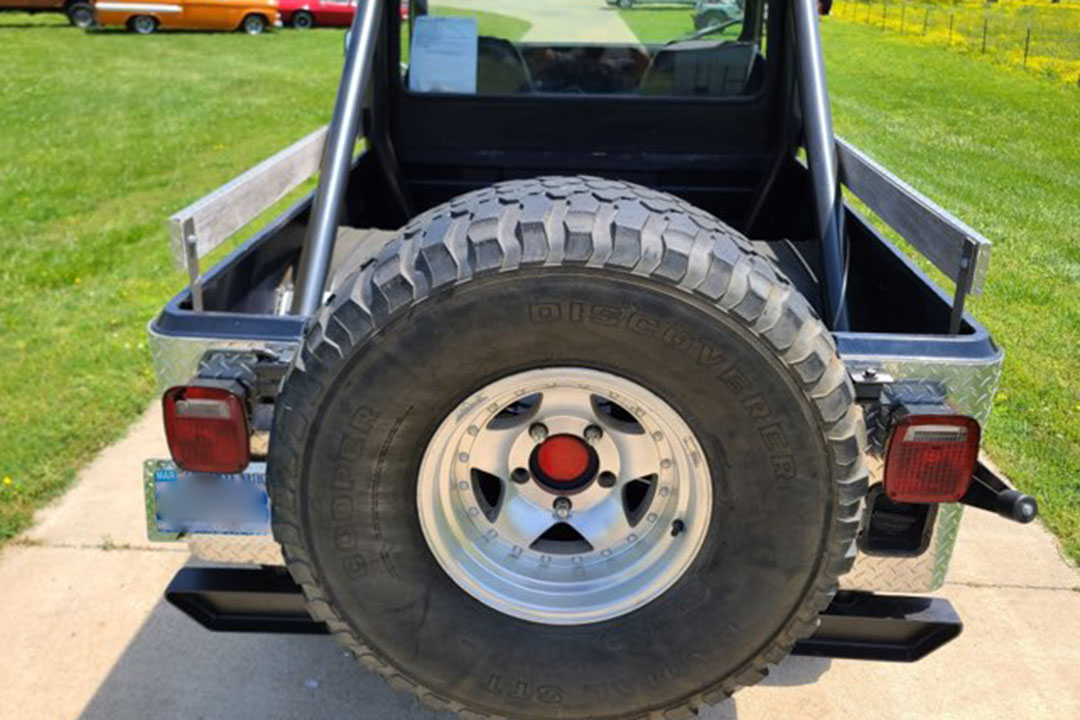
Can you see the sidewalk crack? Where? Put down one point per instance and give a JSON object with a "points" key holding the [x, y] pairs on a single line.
{"points": [[1013, 586], [106, 545]]}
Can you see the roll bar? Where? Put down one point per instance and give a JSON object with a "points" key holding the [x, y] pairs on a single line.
{"points": [[318, 249], [949, 244], [820, 145]]}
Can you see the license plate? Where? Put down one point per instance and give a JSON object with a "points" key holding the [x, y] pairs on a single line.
{"points": [[186, 502]]}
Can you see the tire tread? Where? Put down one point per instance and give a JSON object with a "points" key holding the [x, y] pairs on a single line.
{"points": [[597, 223]]}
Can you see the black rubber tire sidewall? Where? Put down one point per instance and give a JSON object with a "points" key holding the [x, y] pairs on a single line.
{"points": [[767, 537], [254, 25], [84, 10], [150, 29]]}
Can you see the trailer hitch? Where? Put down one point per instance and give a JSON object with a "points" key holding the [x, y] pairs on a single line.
{"points": [[990, 491], [856, 625]]}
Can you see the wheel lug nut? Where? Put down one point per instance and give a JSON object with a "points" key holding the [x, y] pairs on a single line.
{"points": [[606, 479], [562, 507], [593, 433], [520, 475], [538, 431]]}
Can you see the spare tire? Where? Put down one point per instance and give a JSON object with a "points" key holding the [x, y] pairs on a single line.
{"points": [[567, 448]]}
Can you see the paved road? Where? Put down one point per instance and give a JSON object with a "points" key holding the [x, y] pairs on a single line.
{"points": [[85, 633], [558, 20]]}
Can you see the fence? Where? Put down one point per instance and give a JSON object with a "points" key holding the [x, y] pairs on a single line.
{"points": [[1043, 37]]}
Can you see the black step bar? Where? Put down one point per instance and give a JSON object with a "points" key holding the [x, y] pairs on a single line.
{"points": [[892, 628], [226, 599], [856, 626]]}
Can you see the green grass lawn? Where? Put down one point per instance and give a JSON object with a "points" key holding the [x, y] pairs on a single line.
{"points": [[997, 147], [490, 24], [1042, 36], [104, 135], [658, 24]]}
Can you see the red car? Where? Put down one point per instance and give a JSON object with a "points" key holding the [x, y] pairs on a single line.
{"points": [[305, 14]]}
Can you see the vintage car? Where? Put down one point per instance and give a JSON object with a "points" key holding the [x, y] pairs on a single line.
{"points": [[79, 12], [306, 14], [251, 16], [714, 13]]}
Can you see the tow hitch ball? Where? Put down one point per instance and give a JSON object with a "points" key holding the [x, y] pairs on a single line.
{"points": [[989, 492]]}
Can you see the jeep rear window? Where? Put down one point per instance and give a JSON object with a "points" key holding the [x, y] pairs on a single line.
{"points": [[688, 48]]}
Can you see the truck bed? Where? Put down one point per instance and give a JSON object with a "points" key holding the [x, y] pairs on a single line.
{"points": [[900, 323]]}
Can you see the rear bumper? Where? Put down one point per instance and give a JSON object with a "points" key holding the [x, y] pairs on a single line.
{"points": [[855, 626], [968, 367]]}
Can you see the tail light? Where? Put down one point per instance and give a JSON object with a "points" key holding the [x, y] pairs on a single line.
{"points": [[931, 458], [207, 427]]}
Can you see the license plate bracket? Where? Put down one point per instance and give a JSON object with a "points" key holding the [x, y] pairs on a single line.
{"points": [[181, 503]]}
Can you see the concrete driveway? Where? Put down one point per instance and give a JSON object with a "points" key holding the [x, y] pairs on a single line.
{"points": [[85, 633]]}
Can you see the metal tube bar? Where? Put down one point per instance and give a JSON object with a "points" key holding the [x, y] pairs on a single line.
{"points": [[821, 155], [964, 281], [191, 259], [322, 227]]}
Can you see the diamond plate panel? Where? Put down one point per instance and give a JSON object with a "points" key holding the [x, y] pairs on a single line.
{"points": [[970, 387], [177, 358], [236, 549]]}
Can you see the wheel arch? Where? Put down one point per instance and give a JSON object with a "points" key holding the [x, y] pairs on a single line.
{"points": [[255, 13]]}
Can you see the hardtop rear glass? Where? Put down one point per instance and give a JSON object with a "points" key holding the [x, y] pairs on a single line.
{"points": [[699, 49]]}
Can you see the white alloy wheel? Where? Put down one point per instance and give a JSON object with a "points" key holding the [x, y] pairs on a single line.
{"points": [[564, 495]]}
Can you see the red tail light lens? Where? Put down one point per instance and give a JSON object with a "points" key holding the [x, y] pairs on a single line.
{"points": [[931, 458], [207, 429]]}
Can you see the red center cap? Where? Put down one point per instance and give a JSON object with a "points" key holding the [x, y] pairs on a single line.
{"points": [[563, 458]]}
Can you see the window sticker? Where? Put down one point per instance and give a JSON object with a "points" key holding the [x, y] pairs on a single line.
{"points": [[443, 55]]}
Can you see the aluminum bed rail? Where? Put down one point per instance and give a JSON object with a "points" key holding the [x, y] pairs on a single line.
{"points": [[951, 246], [203, 226]]}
